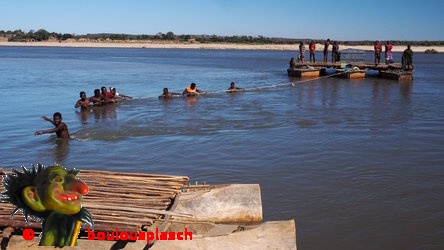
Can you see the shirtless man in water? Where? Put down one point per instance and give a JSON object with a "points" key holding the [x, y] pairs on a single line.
{"points": [[60, 127], [83, 102], [96, 99], [167, 94], [234, 88]]}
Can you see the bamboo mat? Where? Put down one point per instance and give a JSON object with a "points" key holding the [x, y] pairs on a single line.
{"points": [[116, 200]]}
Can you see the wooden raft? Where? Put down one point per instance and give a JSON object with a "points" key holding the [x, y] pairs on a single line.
{"points": [[116, 200]]}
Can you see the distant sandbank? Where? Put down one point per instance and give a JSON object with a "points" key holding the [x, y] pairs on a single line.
{"points": [[222, 46]]}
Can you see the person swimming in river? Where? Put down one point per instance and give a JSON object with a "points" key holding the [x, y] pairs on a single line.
{"points": [[83, 102], [61, 129], [96, 99], [233, 88], [107, 97], [118, 96], [192, 90], [167, 94]]}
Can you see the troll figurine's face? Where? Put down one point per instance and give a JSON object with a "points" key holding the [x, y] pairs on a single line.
{"points": [[55, 189], [51, 195]]}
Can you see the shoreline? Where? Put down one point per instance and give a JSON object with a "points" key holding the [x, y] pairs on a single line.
{"points": [[213, 46]]}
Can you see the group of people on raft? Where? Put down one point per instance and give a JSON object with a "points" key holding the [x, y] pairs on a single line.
{"points": [[407, 62], [335, 56]]}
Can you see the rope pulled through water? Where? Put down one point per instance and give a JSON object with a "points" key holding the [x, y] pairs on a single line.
{"points": [[277, 85], [291, 84]]}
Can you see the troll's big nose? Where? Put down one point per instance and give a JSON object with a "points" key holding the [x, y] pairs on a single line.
{"points": [[80, 187]]}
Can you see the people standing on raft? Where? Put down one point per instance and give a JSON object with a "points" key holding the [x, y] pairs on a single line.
{"points": [[407, 59], [335, 55], [326, 44], [301, 56], [312, 48], [60, 127], [388, 53], [378, 48], [192, 90]]}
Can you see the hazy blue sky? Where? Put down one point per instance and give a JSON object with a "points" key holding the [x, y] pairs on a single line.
{"points": [[339, 20]]}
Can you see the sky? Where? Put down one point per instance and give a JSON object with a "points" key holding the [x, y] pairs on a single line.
{"points": [[411, 20]]}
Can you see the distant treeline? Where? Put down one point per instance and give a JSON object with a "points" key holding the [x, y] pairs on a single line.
{"points": [[43, 35]]}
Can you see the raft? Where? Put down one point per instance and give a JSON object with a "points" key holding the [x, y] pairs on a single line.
{"points": [[351, 73], [304, 72], [399, 75]]}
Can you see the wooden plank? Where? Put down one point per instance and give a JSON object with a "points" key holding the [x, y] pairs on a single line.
{"points": [[144, 210]]}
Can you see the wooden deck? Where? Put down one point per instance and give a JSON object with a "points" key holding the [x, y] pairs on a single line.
{"points": [[361, 65], [392, 71], [116, 200]]}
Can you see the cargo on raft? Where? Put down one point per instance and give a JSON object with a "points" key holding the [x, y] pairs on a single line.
{"points": [[304, 71], [399, 75], [351, 72]]}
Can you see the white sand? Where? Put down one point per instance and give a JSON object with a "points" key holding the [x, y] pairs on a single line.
{"points": [[123, 44]]}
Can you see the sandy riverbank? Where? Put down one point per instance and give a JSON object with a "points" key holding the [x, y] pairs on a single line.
{"points": [[200, 46]]}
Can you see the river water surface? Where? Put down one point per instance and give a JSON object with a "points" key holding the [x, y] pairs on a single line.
{"points": [[358, 164]]}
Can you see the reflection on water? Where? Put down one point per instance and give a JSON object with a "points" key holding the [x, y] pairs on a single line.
{"points": [[83, 115], [105, 112], [61, 150], [405, 89]]}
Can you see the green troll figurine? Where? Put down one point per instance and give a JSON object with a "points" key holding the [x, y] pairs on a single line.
{"points": [[51, 195]]}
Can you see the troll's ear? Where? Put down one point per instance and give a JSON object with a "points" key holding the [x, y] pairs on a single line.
{"points": [[32, 199]]}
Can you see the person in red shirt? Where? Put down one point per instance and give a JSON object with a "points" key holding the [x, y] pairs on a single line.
{"points": [[312, 48], [107, 97]]}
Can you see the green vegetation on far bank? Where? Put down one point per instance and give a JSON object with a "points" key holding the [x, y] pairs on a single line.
{"points": [[43, 35]]}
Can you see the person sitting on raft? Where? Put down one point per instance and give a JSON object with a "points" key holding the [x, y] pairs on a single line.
{"points": [[292, 63], [192, 90], [233, 88], [167, 95]]}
